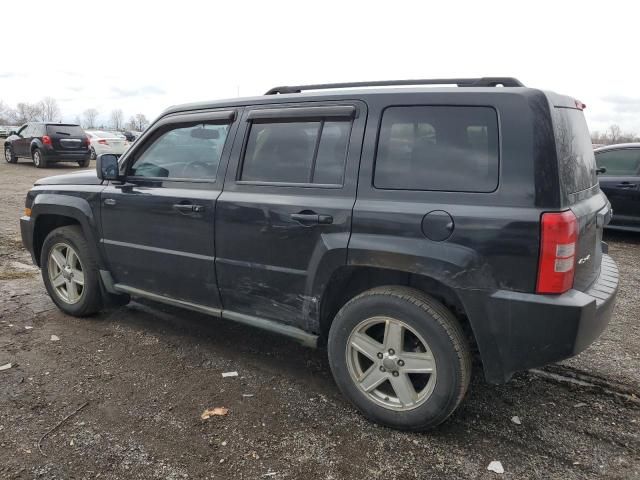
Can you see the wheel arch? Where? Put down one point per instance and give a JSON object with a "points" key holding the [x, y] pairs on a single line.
{"points": [[50, 211]]}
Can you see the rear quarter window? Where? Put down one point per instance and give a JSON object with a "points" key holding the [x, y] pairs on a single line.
{"points": [[576, 161], [444, 148]]}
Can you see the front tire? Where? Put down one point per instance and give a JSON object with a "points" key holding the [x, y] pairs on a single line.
{"points": [[400, 357], [70, 272], [92, 154], [9, 156], [39, 160]]}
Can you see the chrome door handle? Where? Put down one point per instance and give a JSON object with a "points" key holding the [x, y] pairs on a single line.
{"points": [[110, 201]]}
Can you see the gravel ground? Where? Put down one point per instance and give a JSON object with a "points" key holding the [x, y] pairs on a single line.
{"points": [[143, 374]]}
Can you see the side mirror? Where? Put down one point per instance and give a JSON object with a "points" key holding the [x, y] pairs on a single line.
{"points": [[107, 167], [13, 132], [601, 170]]}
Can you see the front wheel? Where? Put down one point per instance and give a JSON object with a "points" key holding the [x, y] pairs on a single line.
{"points": [[70, 272], [92, 154], [39, 160], [400, 356]]}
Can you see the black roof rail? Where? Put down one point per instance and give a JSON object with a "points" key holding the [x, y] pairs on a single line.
{"points": [[460, 82]]}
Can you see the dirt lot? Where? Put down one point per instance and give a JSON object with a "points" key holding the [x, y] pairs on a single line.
{"points": [[146, 373]]}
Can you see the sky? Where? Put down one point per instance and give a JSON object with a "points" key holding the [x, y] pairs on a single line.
{"points": [[142, 57]]}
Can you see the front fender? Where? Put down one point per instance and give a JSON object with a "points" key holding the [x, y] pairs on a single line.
{"points": [[74, 207]]}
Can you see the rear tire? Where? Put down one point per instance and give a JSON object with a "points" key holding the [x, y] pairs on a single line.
{"points": [[394, 382], [65, 261], [84, 163], [39, 160], [9, 156]]}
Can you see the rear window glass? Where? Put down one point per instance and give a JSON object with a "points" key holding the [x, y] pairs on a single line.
{"points": [[65, 130], [619, 162], [576, 160], [445, 148]]}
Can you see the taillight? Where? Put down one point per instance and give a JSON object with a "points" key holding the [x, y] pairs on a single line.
{"points": [[102, 141], [88, 140], [46, 139], [559, 235]]}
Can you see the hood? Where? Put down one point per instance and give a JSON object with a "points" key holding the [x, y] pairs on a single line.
{"points": [[83, 177]]}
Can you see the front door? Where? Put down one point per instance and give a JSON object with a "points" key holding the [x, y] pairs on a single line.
{"points": [[284, 218], [158, 227], [21, 145], [621, 184]]}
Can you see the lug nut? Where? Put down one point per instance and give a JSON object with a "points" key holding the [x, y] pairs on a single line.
{"points": [[382, 369], [380, 355], [401, 363], [391, 351], [395, 374]]}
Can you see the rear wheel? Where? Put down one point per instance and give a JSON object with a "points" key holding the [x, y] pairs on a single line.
{"points": [[400, 356], [39, 160], [84, 163], [70, 272], [9, 156]]}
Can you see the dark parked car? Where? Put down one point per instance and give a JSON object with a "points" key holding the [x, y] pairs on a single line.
{"points": [[403, 228], [45, 143], [620, 181], [128, 135]]}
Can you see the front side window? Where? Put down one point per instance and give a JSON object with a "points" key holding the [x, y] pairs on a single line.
{"points": [[309, 152], [619, 162], [447, 148], [183, 152], [24, 131]]}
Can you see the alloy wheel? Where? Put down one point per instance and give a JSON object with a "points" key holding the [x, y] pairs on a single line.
{"points": [[66, 273], [391, 363]]}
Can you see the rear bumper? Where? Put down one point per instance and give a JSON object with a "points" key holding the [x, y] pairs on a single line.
{"points": [[522, 330], [63, 156]]}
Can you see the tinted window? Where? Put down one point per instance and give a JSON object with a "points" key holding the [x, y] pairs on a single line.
{"points": [[620, 162], [65, 130], [438, 148], [576, 161], [296, 152], [183, 152]]}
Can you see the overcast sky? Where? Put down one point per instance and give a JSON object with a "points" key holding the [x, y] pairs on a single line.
{"points": [[143, 57]]}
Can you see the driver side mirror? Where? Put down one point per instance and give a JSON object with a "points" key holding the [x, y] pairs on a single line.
{"points": [[107, 167]]}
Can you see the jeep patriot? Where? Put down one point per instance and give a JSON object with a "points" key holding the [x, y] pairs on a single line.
{"points": [[403, 228]]}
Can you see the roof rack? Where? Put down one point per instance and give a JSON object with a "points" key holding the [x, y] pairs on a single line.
{"points": [[460, 82]]}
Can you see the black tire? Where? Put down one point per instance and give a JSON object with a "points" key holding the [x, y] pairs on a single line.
{"points": [[431, 320], [39, 159], [84, 163], [92, 154], [90, 299], [9, 156]]}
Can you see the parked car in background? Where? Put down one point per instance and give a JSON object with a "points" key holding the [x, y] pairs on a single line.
{"points": [[620, 181], [106, 142], [4, 132], [45, 143], [403, 228], [129, 135]]}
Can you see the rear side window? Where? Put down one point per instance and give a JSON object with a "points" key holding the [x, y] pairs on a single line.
{"points": [[619, 162], [576, 162], [65, 130], [446, 148], [309, 152]]}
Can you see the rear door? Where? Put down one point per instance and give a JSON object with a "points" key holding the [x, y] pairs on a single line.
{"points": [[67, 138], [284, 219], [158, 227], [621, 184], [580, 189]]}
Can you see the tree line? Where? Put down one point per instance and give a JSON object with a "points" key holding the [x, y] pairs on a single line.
{"points": [[613, 135], [48, 110]]}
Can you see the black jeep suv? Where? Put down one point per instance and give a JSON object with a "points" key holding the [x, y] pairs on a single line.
{"points": [[404, 228], [45, 143]]}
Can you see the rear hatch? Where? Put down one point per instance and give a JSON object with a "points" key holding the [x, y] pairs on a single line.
{"points": [[67, 137], [579, 184]]}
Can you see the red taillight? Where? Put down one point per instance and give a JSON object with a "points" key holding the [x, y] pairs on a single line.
{"points": [[88, 140], [559, 235], [102, 141], [46, 139], [580, 105]]}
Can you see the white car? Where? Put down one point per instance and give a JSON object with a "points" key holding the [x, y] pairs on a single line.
{"points": [[106, 142]]}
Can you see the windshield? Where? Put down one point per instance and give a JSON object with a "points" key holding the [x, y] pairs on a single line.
{"points": [[65, 130]]}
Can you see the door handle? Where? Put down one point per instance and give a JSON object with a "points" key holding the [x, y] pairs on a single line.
{"points": [[312, 218], [189, 208], [626, 185]]}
